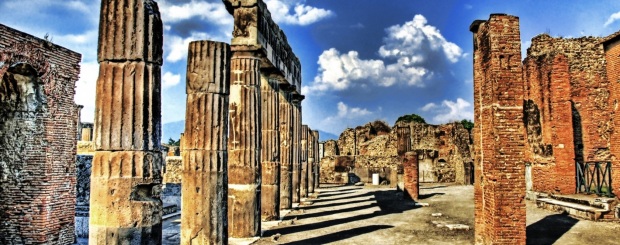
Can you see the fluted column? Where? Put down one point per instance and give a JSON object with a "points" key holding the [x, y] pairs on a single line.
{"points": [[124, 203], [286, 153], [311, 157], [303, 186], [270, 148], [296, 149], [244, 138], [205, 157]]}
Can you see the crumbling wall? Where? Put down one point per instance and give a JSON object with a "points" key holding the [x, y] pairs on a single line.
{"points": [[38, 130]]}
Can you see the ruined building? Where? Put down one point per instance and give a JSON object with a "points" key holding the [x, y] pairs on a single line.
{"points": [[38, 125], [443, 153]]}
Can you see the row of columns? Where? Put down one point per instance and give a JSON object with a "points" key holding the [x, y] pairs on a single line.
{"points": [[251, 121]]}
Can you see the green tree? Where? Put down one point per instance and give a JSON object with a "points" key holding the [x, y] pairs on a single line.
{"points": [[467, 124], [173, 142], [411, 118]]}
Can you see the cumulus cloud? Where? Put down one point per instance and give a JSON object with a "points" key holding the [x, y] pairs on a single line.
{"points": [[214, 12], [411, 54], [284, 12], [613, 18], [450, 111], [86, 88], [345, 116], [176, 46], [170, 79]]}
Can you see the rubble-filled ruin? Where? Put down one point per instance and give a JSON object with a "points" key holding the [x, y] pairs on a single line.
{"points": [[443, 151]]}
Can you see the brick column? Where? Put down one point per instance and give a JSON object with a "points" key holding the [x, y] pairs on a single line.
{"points": [[286, 153], [562, 126], [311, 158], [303, 186], [296, 148], [499, 190], [205, 159], [244, 138], [124, 204], [612, 57], [411, 175], [270, 148], [317, 159]]}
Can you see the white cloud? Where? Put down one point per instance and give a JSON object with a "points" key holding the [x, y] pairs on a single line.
{"points": [[450, 111], [613, 18], [176, 46], [170, 79], [301, 14], [212, 12], [411, 53], [85, 89], [345, 116], [414, 39]]}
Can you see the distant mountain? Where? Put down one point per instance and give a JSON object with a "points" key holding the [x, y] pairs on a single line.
{"points": [[172, 130]]}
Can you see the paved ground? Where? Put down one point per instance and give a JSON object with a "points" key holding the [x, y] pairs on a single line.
{"points": [[377, 215]]}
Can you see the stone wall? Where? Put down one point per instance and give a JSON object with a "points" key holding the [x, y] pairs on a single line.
{"points": [[38, 128], [444, 153], [83, 166], [612, 58]]}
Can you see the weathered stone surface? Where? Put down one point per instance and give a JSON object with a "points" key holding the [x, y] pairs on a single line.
{"points": [[303, 184], [127, 165], [130, 30], [173, 170], [335, 169], [317, 159], [83, 166], [254, 27], [128, 98], [411, 175], [311, 156], [244, 137], [296, 149], [38, 130], [85, 147], [498, 133], [125, 205], [330, 148], [286, 144], [270, 148]]}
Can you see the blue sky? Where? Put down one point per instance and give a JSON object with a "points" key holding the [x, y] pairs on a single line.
{"points": [[362, 60]]}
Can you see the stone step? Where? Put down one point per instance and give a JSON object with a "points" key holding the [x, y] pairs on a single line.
{"points": [[575, 209]]}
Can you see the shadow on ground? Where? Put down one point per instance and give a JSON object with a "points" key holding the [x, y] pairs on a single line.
{"points": [[341, 235], [549, 229]]}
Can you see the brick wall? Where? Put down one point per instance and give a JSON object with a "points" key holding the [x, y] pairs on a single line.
{"points": [[612, 58], [38, 125]]}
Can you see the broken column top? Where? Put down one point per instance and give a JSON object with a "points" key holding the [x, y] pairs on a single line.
{"points": [[476, 24], [255, 29]]}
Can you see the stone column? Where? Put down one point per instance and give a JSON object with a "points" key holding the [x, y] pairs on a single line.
{"points": [[270, 148], [296, 148], [205, 157], [286, 153], [125, 207], [303, 185], [317, 159], [499, 189], [411, 175], [311, 158], [244, 138]]}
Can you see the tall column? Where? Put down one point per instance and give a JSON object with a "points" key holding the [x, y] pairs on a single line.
{"points": [[296, 148], [205, 159], [244, 138], [303, 185], [499, 189], [125, 207], [311, 158], [411, 175], [317, 159], [270, 148], [286, 151]]}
